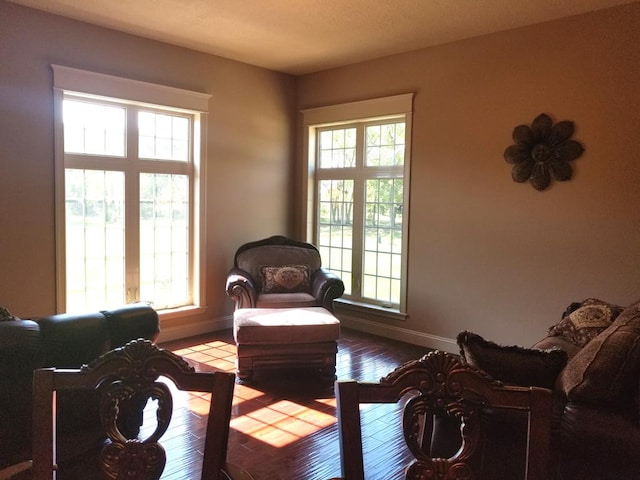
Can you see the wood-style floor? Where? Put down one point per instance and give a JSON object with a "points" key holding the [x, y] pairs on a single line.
{"points": [[283, 423]]}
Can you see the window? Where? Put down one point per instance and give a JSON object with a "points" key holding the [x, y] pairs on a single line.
{"points": [[128, 192], [358, 196]]}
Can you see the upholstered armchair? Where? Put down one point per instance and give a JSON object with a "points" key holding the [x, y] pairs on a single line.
{"points": [[278, 272]]}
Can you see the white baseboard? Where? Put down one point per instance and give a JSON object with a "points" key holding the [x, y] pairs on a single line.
{"points": [[400, 334], [170, 333]]}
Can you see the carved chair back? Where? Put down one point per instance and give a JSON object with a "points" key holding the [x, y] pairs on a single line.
{"points": [[439, 385], [128, 377]]}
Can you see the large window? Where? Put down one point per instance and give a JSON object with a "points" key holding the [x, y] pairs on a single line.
{"points": [[359, 196], [128, 194]]}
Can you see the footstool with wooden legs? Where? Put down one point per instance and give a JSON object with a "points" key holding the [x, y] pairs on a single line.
{"points": [[303, 337]]}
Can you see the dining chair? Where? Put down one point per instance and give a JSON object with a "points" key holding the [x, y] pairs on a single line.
{"points": [[125, 376], [439, 385]]}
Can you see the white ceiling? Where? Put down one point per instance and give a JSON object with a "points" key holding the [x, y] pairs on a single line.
{"points": [[303, 36]]}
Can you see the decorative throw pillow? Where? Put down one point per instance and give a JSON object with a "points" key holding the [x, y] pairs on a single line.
{"points": [[606, 370], [586, 322], [285, 279], [512, 364], [6, 315]]}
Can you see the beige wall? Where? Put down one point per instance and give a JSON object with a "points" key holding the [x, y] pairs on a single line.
{"points": [[485, 253], [250, 145]]}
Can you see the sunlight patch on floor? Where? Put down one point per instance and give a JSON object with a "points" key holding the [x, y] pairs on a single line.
{"points": [[219, 355], [282, 423]]}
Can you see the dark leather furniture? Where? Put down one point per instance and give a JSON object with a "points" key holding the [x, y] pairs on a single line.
{"points": [[63, 341]]}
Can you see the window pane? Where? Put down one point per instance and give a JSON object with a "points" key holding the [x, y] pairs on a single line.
{"points": [[163, 137], [385, 145], [335, 233], [94, 239], [164, 239], [337, 148], [94, 129], [383, 239]]}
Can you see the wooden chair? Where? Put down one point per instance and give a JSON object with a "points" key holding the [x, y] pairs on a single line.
{"points": [[130, 374], [442, 386]]}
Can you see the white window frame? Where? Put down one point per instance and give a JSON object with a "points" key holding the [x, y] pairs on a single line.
{"points": [[378, 109], [100, 86]]}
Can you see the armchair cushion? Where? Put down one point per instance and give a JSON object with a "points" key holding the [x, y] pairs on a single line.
{"points": [[286, 300], [285, 279]]}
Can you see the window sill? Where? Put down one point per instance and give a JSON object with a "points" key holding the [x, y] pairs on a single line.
{"points": [[181, 312], [370, 311]]}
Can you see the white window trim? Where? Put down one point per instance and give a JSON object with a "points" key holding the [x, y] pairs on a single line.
{"points": [[92, 84], [369, 110]]}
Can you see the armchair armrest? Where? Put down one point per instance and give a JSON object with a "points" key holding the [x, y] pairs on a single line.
{"points": [[326, 286], [241, 288]]}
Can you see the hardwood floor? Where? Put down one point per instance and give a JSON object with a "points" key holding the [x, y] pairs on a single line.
{"points": [[283, 424]]}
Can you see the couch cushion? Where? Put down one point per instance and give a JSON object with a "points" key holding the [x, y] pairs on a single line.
{"points": [[512, 364], [285, 278], [284, 325], [586, 322], [607, 369]]}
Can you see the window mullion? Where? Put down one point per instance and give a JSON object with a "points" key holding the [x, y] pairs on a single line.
{"points": [[358, 213], [132, 210]]}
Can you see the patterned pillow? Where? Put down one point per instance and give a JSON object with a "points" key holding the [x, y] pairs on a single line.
{"points": [[6, 315], [512, 364], [607, 369], [586, 322], [285, 279]]}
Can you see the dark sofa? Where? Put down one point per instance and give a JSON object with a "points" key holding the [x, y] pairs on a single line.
{"points": [[590, 359], [63, 341]]}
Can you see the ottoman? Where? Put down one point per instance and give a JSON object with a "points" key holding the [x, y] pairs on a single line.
{"points": [[285, 337]]}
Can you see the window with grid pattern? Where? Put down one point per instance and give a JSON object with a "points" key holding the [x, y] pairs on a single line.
{"points": [[360, 198], [128, 202]]}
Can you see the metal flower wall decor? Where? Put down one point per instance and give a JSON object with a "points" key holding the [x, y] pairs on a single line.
{"points": [[542, 151]]}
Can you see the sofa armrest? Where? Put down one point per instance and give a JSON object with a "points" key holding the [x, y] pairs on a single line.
{"points": [[241, 288], [20, 348], [20, 353], [326, 286], [130, 322]]}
